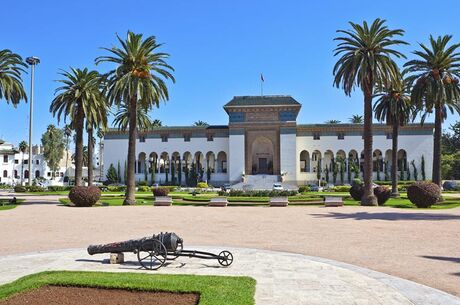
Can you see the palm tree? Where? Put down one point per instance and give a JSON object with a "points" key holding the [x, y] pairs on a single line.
{"points": [[356, 119], [157, 123], [79, 97], [200, 123], [11, 68], [366, 62], [122, 116], [394, 107], [435, 85], [332, 122], [67, 133], [23, 148], [139, 80]]}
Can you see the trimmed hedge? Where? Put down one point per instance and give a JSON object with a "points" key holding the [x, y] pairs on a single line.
{"points": [[341, 188], [357, 192], [382, 193], [59, 188], [202, 185], [424, 194], [160, 191], [84, 196], [265, 193], [304, 188], [33, 188], [144, 188]]}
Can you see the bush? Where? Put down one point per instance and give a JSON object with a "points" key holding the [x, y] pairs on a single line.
{"points": [[143, 188], [84, 196], [382, 193], [357, 191], [264, 193], [341, 188], [116, 188], [20, 189], [304, 188], [58, 188], [202, 185], [356, 181], [142, 183], [424, 194], [160, 191], [36, 189]]}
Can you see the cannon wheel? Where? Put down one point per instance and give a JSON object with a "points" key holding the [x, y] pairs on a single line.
{"points": [[225, 258], [173, 255], [152, 254]]}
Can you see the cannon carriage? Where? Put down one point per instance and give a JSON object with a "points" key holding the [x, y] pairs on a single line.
{"points": [[153, 252]]}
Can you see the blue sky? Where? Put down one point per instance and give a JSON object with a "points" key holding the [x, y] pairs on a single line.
{"points": [[218, 49]]}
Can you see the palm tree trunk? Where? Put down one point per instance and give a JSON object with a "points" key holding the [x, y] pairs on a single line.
{"points": [[368, 197], [394, 161], [79, 148], [437, 145], [131, 183], [90, 156]]}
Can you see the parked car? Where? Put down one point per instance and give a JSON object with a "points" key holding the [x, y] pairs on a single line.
{"points": [[226, 187], [316, 188], [278, 187]]}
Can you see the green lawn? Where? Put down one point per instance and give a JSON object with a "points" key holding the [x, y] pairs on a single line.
{"points": [[213, 290], [5, 205]]}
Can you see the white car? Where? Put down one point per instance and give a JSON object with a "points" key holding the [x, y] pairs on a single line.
{"points": [[278, 187]]}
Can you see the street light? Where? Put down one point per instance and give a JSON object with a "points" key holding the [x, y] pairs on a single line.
{"points": [[32, 61]]}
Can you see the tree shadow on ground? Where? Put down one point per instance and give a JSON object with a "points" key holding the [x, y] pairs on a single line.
{"points": [[443, 258], [390, 216]]}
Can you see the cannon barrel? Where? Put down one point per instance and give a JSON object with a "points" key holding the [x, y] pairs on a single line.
{"points": [[169, 240]]}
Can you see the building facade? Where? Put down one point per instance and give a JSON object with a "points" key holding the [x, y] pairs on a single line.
{"points": [[263, 139]]}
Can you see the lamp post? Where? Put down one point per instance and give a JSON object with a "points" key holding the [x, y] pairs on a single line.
{"points": [[32, 61]]}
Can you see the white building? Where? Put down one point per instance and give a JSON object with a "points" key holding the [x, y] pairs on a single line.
{"points": [[264, 140], [14, 166]]}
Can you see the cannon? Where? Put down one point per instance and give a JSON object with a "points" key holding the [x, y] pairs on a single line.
{"points": [[152, 252]]}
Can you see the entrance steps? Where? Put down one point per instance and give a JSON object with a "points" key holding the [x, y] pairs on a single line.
{"points": [[261, 182]]}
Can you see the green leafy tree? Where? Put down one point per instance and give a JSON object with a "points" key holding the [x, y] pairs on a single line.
{"points": [[326, 173], [386, 174], [119, 172], [112, 176], [356, 119], [138, 81], [366, 61], [422, 167], [435, 79], [200, 123], [394, 107], [451, 139], [415, 170], [53, 144], [78, 98], [319, 169], [23, 147], [11, 69]]}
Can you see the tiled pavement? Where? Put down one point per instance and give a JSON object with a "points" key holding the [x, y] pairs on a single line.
{"points": [[282, 278]]}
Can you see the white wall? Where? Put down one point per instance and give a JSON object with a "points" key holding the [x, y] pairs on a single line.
{"points": [[236, 157], [288, 156]]}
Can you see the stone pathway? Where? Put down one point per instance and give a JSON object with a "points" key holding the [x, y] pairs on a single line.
{"points": [[282, 278]]}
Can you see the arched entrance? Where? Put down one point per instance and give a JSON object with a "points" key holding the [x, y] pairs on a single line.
{"points": [[262, 156]]}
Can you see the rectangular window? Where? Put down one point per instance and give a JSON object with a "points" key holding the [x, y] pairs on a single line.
{"points": [[37, 162], [48, 174], [16, 161], [164, 138], [142, 139], [186, 138], [316, 136], [26, 162], [5, 158], [341, 136], [389, 136], [210, 137]]}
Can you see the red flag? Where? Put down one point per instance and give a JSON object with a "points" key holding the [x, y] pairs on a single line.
{"points": [[262, 77]]}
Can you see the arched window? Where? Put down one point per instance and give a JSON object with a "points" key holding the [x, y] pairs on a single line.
{"points": [[222, 162], [402, 160], [16, 174], [37, 174], [304, 162], [26, 174], [5, 174]]}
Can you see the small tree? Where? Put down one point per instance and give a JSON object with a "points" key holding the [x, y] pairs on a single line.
{"points": [[146, 177], [423, 168], [378, 169], [408, 173], [402, 174], [319, 169], [53, 143], [112, 176], [386, 172], [173, 173], [326, 173], [152, 175], [179, 174], [350, 164], [125, 172], [334, 171], [415, 170], [208, 174], [119, 172]]}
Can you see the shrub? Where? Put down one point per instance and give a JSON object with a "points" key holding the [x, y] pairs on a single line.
{"points": [[36, 189], [264, 193], [357, 192], [424, 194], [202, 185], [356, 181], [116, 188], [382, 193], [58, 188], [84, 196], [341, 188], [144, 188], [304, 188], [142, 183], [20, 189], [160, 191]]}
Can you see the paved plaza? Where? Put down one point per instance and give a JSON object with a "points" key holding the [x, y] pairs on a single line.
{"points": [[417, 245]]}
